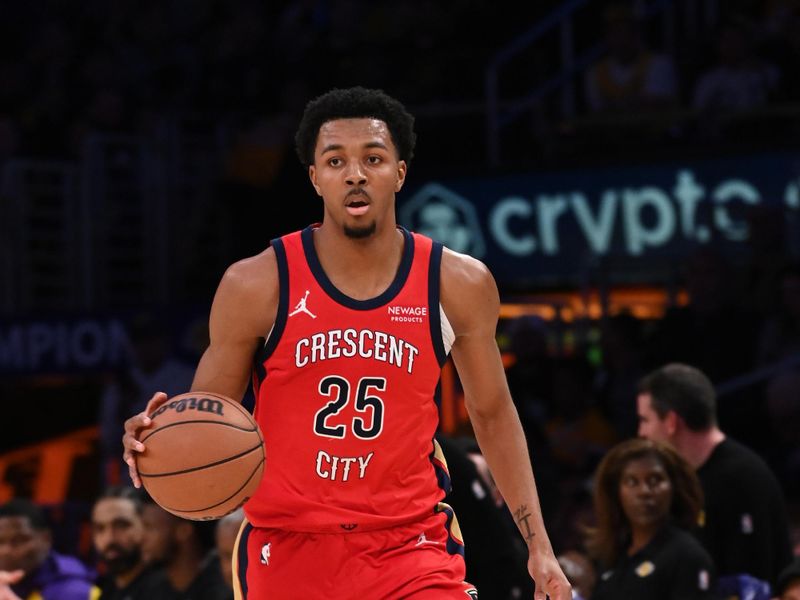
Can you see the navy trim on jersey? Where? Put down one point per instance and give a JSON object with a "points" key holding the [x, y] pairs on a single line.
{"points": [[434, 269], [453, 545], [244, 540], [345, 300], [266, 351]]}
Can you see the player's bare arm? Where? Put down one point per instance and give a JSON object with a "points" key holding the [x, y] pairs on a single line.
{"points": [[470, 300], [242, 314]]}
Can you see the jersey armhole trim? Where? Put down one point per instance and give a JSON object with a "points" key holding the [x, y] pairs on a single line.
{"points": [[274, 335], [434, 270]]}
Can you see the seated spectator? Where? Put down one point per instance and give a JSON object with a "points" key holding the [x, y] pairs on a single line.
{"points": [[184, 552], [740, 80], [26, 545], [646, 497], [630, 77], [117, 537]]}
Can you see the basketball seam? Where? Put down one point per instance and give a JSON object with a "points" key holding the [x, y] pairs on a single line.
{"points": [[168, 425], [222, 501], [205, 466]]}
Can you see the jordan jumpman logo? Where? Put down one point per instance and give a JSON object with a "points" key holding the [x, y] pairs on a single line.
{"points": [[301, 307]]}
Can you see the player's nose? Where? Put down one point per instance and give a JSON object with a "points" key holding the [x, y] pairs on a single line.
{"points": [[355, 174]]}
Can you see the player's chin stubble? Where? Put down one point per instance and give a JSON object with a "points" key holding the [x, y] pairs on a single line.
{"points": [[358, 233]]}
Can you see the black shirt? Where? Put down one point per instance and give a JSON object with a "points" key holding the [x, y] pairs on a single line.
{"points": [[208, 585], [141, 588], [673, 566], [745, 527]]}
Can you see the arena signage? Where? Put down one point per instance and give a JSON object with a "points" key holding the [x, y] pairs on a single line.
{"points": [[58, 345], [545, 226]]}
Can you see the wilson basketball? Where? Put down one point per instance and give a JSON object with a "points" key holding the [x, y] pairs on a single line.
{"points": [[203, 457]]}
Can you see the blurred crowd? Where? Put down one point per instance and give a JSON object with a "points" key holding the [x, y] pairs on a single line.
{"points": [[68, 69]]}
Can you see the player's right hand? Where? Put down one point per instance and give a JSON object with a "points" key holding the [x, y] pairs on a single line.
{"points": [[130, 441]]}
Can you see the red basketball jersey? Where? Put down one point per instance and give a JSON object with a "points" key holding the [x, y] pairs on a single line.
{"points": [[345, 396]]}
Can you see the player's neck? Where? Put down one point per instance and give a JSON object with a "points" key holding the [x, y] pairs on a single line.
{"points": [[361, 268]]}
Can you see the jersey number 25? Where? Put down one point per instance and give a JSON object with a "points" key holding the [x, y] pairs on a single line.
{"points": [[338, 388]]}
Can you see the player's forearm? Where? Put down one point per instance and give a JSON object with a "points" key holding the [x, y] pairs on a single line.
{"points": [[503, 444]]}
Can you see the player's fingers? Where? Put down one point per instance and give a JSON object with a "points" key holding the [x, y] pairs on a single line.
{"points": [[157, 400], [134, 473]]}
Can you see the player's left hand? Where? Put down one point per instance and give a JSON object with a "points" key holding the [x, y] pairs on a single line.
{"points": [[550, 579]]}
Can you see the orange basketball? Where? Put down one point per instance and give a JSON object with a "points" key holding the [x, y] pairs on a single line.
{"points": [[203, 457]]}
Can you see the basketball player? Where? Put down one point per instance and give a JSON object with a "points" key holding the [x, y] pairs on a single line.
{"points": [[350, 322]]}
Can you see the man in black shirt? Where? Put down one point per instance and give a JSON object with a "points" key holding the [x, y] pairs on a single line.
{"points": [[183, 551], [744, 525], [117, 538]]}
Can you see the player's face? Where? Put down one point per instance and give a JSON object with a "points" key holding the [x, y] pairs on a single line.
{"points": [[645, 492], [357, 172], [651, 425], [22, 546], [158, 534], [117, 534]]}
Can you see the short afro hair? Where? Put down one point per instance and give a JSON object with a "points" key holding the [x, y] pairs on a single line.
{"points": [[355, 103]]}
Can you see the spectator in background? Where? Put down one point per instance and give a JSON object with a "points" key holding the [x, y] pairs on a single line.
{"points": [[151, 367], [117, 537], [646, 497], [26, 545], [630, 77], [226, 532], [184, 552], [744, 525], [740, 81]]}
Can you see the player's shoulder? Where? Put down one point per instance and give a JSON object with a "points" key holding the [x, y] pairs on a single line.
{"points": [[464, 270], [253, 275]]}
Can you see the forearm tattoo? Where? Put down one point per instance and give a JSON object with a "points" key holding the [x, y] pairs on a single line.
{"points": [[522, 517]]}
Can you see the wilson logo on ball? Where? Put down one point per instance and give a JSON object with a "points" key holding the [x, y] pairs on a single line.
{"points": [[209, 405]]}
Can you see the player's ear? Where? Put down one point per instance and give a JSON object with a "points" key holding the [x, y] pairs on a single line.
{"points": [[402, 169], [312, 175]]}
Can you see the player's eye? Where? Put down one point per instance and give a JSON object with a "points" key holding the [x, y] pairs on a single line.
{"points": [[373, 160], [334, 162]]}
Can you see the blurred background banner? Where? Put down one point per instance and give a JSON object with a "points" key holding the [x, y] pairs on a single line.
{"points": [[549, 227]]}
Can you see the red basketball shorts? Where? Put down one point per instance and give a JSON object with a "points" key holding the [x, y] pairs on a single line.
{"points": [[419, 561]]}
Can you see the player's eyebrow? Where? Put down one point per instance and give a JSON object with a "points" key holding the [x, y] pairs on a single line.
{"points": [[333, 147]]}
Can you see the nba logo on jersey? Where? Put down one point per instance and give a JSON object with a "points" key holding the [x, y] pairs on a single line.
{"points": [[265, 554]]}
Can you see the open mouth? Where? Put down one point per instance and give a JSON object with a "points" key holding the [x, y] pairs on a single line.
{"points": [[357, 207]]}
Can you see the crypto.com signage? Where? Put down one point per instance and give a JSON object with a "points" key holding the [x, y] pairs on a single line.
{"points": [[548, 227]]}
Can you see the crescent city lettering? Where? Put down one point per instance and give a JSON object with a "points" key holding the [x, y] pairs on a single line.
{"points": [[366, 343]]}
